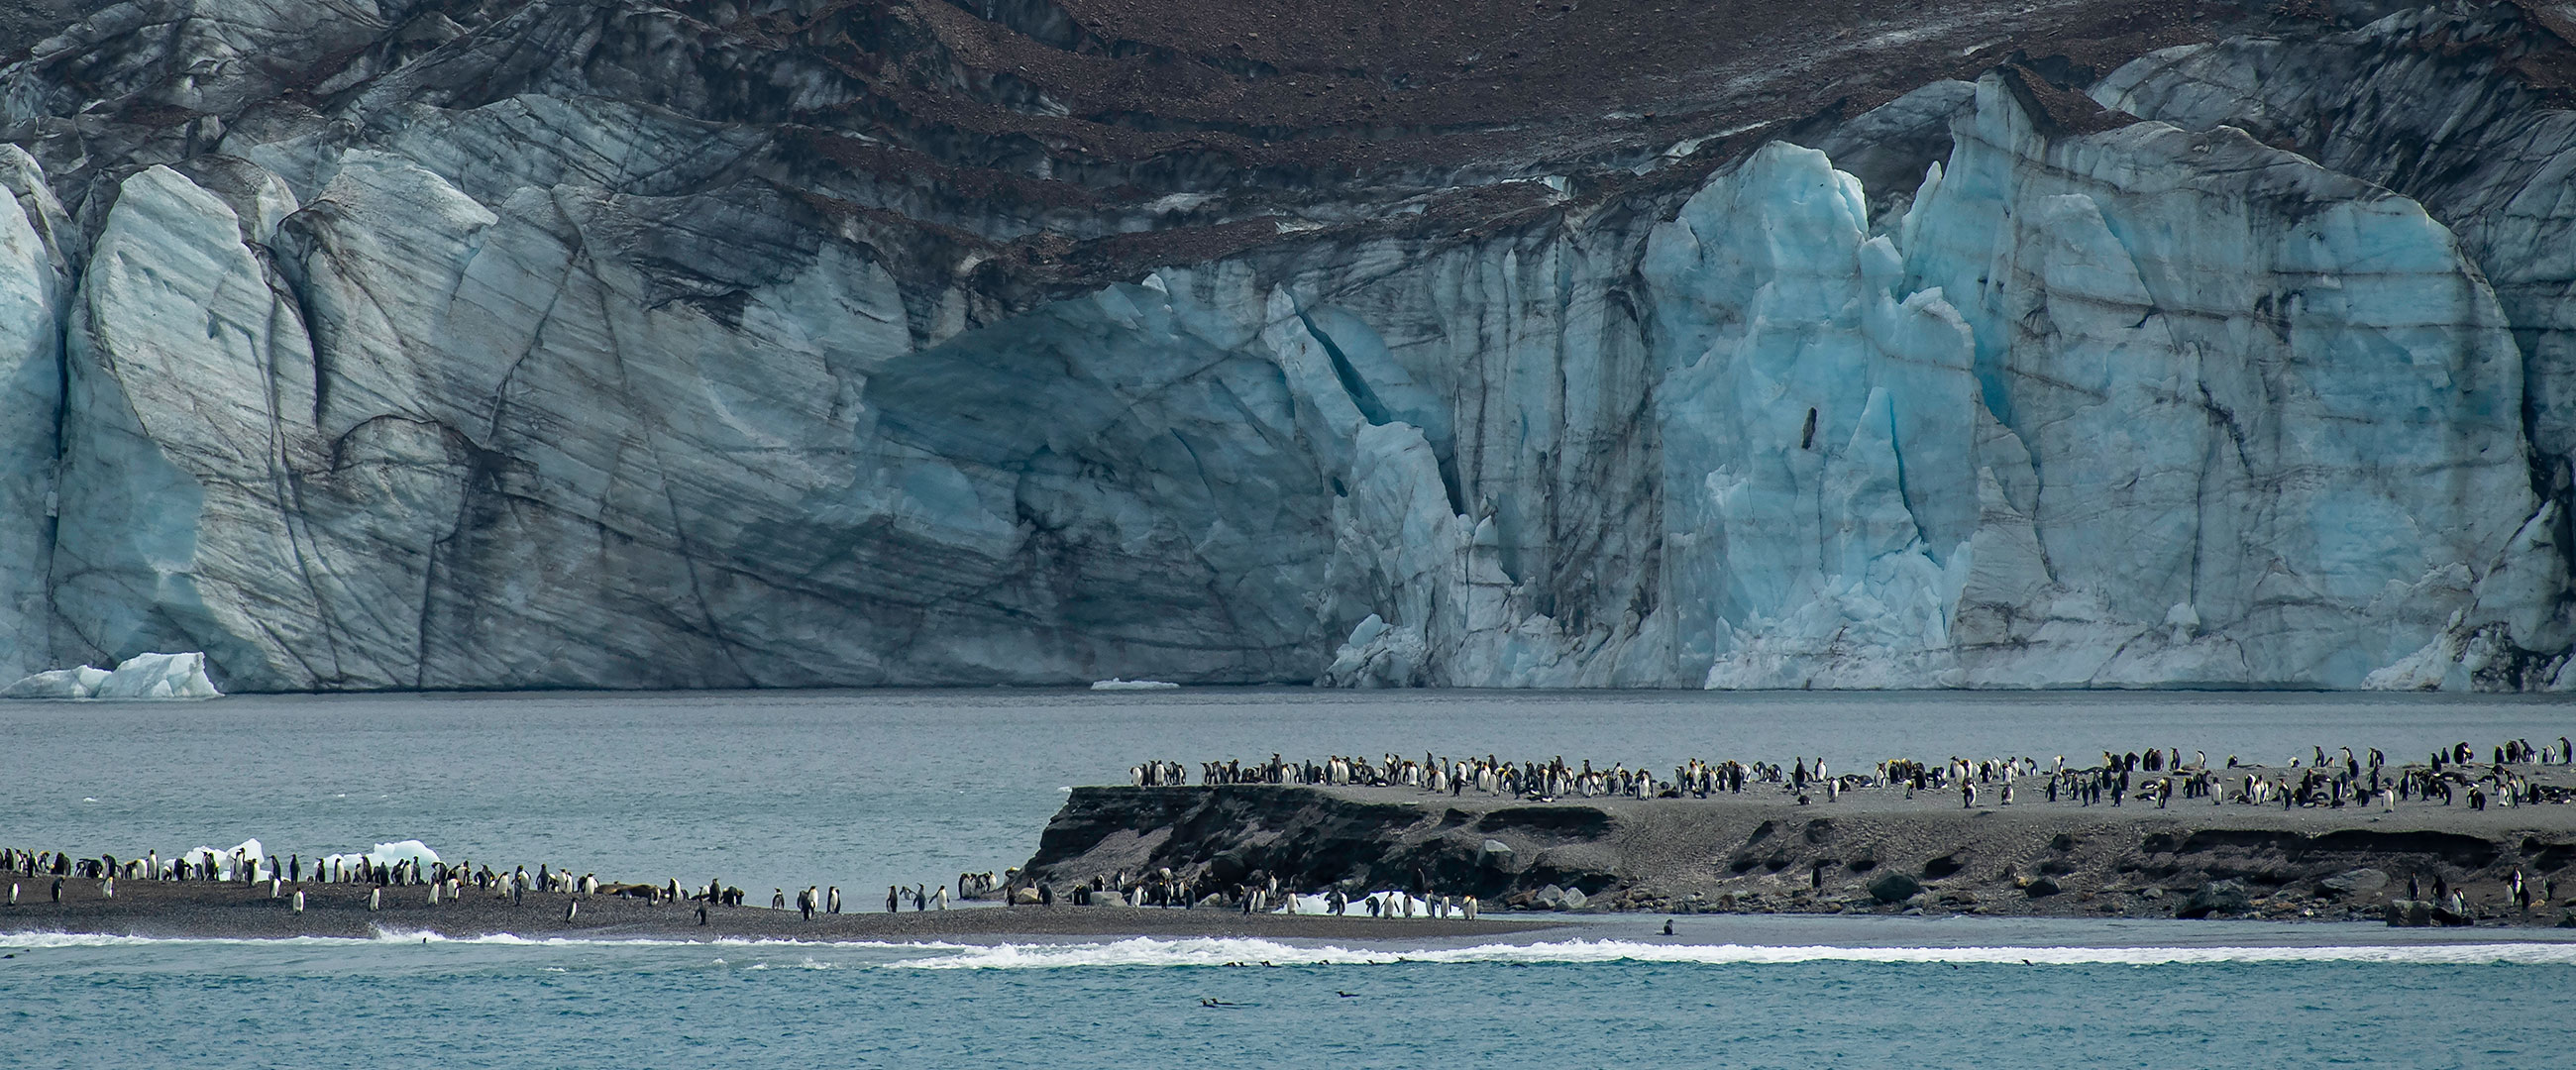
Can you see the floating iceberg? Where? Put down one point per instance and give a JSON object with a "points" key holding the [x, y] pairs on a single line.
{"points": [[143, 676], [1115, 684]]}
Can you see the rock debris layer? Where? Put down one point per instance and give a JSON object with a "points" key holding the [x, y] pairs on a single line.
{"points": [[450, 344]]}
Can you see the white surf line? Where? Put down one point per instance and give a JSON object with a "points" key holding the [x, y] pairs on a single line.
{"points": [[1144, 951], [399, 936], [1223, 952]]}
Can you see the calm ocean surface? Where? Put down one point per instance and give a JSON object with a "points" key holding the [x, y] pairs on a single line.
{"points": [[868, 788]]}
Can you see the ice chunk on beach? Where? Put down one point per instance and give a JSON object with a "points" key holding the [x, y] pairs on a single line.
{"points": [[228, 860], [386, 854], [1115, 684], [143, 676]]}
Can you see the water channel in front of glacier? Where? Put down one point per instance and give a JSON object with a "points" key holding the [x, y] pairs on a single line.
{"points": [[867, 788]]}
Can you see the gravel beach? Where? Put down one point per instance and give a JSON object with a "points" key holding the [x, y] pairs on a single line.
{"points": [[200, 910]]}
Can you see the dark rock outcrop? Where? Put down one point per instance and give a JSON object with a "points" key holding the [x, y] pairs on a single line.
{"points": [[1734, 854]]}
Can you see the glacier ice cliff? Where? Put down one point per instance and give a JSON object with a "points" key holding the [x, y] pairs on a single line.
{"points": [[407, 344]]}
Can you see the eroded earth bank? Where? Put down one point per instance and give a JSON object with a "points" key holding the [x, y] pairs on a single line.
{"points": [[1870, 851]]}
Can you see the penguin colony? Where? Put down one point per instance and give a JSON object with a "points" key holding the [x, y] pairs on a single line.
{"points": [[439, 881], [2360, 784], [2361, 781], [2153, 776]]}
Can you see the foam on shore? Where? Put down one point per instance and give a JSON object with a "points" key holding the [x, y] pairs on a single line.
{"points": [[1220, 952], [1146, 951]]}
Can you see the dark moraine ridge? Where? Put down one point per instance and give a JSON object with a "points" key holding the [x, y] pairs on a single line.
{"points": [[1870, 852]]}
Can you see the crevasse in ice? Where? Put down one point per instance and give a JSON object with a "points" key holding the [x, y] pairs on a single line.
{"points": [[414, 404]]}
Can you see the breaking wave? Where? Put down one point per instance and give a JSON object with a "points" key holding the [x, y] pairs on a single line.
{"points": [[1143, 951], [1212, 952]]}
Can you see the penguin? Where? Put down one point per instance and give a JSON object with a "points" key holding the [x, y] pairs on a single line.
{"points": [[702, 914], [1668, 926], [433, 895], [572, 910], [299, 900], [58, 889], [375, 899], [832, 900], [13, 893]]}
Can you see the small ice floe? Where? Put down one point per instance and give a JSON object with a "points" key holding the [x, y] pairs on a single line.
{"points": [[1116, 684], [143, 676]]}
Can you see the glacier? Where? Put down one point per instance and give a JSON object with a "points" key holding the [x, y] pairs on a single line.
{"points": [[458, 365]]}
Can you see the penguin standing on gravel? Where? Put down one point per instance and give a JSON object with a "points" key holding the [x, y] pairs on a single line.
{"points": [[299, 900]]}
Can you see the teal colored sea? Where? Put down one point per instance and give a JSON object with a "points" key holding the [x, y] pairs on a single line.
{"points": [[862, 789], [1832, 992]]}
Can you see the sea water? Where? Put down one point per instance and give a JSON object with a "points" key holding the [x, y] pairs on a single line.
{"points": [[1721, 992], [865, 789]]}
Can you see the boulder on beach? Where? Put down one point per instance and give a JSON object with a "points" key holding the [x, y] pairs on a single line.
{"points": [[2217, 897], [1895, 888]]}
